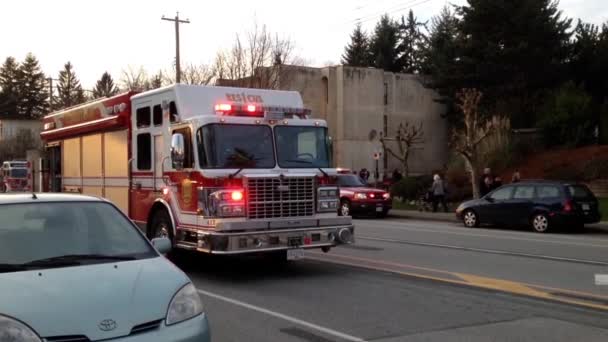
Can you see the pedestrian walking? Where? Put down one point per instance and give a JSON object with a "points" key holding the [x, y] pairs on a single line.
{"points": [[485, 182], [497, 183], [439, 191], [397, 176], [516, 178]]}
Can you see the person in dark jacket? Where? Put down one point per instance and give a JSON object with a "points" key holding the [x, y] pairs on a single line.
{"points": [[397, 176], [485, 183]]}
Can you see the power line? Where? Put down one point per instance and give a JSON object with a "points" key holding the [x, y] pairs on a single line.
{"points": [[411, 4], [379, 13]]}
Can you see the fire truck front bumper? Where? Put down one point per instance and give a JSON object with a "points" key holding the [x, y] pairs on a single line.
{"points": [[234, 237]]}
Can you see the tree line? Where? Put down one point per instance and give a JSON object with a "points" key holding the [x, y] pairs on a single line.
{"points": [[534, 65], [258, 59]]}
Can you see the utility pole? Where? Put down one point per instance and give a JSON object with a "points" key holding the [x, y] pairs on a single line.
{"points": [[177, 21]]}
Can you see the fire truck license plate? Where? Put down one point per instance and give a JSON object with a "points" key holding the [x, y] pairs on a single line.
{"points": [[295, 254]]}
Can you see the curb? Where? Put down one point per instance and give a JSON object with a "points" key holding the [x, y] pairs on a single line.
{"points": [[441, 217]]}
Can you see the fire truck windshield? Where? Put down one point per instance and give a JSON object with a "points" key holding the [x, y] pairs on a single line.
{"points": [[235, 146], [302, 147]]}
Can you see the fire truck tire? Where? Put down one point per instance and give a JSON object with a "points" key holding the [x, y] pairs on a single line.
{"points": [[161, 225]]}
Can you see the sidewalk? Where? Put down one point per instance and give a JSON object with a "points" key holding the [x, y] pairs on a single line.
{"points": [[451, 217]]}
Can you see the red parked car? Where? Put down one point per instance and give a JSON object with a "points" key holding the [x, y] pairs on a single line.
{"points": [[357, 198]]}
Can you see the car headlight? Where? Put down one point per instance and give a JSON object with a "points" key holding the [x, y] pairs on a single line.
{"points": [[184, 305], [360, 196], [13, 330]]}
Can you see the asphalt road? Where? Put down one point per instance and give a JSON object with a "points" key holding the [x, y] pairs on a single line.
{"points": [[414, 281]]}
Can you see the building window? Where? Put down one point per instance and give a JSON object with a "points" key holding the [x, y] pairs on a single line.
{"points": [[157, 115], [325, 82], [142, 117], [385, 124], [188, 155], [144, 151], [385, 93]]}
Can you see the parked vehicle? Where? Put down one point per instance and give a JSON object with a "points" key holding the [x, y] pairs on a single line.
{"points": [[543, 205], [358, 198], [215, 169], [74, 268], [15, 176]]}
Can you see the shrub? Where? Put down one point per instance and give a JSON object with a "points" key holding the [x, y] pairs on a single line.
{"points": [[568, 117], [565, 172], [595, 169], [410, 188]]}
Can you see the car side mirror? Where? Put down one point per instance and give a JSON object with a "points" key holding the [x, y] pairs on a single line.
{"points": [[177, 151], [162, 245], [490, 199]]}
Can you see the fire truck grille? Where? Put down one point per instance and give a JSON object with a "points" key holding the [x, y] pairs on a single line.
{"points": [[273, 197]]}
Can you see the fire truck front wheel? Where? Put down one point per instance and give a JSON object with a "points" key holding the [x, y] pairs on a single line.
{"points": [[161, 225]]}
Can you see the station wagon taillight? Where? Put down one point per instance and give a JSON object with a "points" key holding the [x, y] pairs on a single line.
{"points": [[568, 206]]}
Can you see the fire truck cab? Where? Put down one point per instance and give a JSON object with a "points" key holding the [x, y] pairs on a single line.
{"points": [[15, 176], [215, 169]]}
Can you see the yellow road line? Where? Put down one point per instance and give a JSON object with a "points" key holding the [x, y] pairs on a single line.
{"points": [[530, 290]]}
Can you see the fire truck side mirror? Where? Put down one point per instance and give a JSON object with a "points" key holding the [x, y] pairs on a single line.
{"points": [[177, 151]]}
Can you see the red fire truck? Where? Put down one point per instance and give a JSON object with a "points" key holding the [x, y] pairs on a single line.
{"points": [[215, 169], [15, 176]]}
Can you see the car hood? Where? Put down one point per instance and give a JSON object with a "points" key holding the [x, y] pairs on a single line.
{"points": [[74, 300], [473, 203]]}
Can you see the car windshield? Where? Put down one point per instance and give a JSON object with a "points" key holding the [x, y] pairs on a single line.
{"points": [[580, 192], [39, 231], [235, 146], [350, 181], [18, 173], [302, 147]]}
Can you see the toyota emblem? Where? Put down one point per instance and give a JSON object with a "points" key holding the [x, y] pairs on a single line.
{"points": [[107, 325]]}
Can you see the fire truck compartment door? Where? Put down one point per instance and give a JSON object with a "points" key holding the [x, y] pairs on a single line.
{"points": [[158, 161]]}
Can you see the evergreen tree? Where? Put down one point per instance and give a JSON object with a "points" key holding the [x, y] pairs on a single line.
{"points": [[69, 90], [514, 51], [411, 44], [383, 44], [357, 52], [33, 95], [9, 92], [105, 86], [441, 59]]}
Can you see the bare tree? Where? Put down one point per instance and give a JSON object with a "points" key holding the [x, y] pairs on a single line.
{"points": [[134, 78], [196, 74], [468, 139], [406, 137], [260, 60]]}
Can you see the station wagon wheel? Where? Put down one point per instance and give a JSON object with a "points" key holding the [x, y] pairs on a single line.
{"points": [[540, 223], [344, 208], [470, 219]]}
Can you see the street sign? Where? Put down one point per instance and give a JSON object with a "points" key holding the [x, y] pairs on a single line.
{"points": [[376, 155]]}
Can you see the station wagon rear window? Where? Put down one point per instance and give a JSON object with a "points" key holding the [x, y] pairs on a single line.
{"points": [[580, 192]]}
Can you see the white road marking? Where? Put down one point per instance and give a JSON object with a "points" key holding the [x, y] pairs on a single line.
{"points": [[407, 227], [283, 317]]}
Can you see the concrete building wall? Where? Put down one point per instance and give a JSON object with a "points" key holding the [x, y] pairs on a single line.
{"points": [[355, 101]]}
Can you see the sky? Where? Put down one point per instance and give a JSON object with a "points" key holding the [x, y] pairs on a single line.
{"points": [[110, 35]]}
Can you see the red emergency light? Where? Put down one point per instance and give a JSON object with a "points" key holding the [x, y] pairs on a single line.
{"points": [[223, 107], [239, 110]]}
